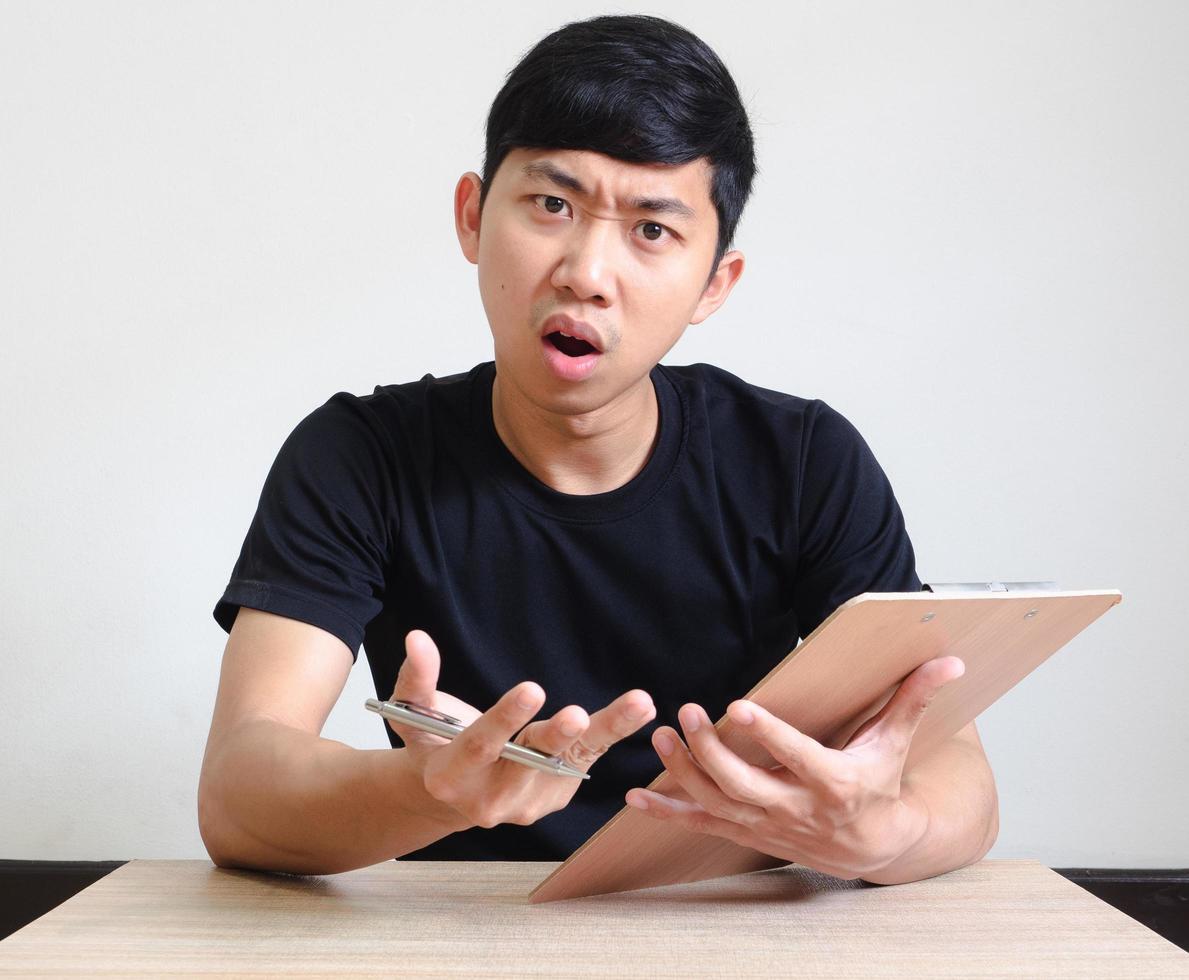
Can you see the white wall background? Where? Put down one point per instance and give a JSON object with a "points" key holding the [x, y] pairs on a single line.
{"points": [[970, 235]]}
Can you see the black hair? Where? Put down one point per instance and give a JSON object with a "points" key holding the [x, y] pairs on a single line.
{"points": [[637, 88]]}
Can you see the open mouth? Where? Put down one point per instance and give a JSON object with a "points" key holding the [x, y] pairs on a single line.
{"points": [[570, 346]]}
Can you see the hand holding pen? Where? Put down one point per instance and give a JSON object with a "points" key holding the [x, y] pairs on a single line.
{"points": [[472, 773], [439, 723]]}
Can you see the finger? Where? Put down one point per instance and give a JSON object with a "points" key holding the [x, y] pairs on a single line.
{"points": [[738, 779], [417, 682], [481, 743], [627, 714], [898, 720], [417, 679], [698, 783], [691, 816], [805, 757], [555, 735]]}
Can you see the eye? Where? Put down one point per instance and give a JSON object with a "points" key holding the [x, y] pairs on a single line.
{"points": [[654, 231], [550, 203]]}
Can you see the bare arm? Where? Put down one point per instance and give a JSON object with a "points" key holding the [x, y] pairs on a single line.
{"points": [[955, 787], [275, 795]]}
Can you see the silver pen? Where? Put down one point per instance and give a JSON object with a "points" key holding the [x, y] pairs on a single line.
{"points": [[429, 720]]}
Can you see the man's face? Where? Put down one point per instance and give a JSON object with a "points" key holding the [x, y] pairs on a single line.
{"points": [[623, 250]]}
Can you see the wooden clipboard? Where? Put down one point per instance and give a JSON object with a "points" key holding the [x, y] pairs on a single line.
{"points": [[841, 675]]}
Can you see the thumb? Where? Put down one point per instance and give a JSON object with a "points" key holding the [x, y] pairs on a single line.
{"points": [[898, 720], [417, 679], [918, 691]]}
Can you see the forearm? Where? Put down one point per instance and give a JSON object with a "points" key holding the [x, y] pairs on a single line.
{"points": [[954, 786], [276, 798]]}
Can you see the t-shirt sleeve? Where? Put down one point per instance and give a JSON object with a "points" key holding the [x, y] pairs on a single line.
{"points": [[851, 529], [318, 546]]}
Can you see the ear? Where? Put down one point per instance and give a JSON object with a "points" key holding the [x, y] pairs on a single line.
{"points": [[466, 215], [730, 268]]}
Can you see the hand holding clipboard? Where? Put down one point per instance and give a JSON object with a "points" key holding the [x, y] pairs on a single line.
{"points": [[841, 676]]}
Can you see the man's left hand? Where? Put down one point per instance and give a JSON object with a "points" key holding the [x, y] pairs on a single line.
{"points": [[842, 811]]}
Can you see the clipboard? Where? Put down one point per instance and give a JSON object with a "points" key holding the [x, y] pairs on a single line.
{"points": [[841, 675]]}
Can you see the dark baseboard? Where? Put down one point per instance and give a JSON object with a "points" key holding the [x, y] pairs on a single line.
{"points": [[29, 889], [1158, 898]]}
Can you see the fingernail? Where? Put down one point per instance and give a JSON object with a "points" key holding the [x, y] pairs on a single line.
{"points": [[634, 712], [638, 802], [526, 698], [743, 713], [690, 720], [570, 728], [664, 744]]}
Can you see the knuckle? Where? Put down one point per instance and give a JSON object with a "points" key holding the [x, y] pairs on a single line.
{"points": [[581, 754], [746, 791], [785, 813], [850, 810], [791, 758], [841, 787], [475, 750], [509, 714]]}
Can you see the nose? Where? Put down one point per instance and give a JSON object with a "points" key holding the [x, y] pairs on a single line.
{"points": [[586, 266]]}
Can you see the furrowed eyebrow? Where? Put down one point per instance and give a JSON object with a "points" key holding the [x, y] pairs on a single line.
{"points": [[654, 205], [555, 175]]}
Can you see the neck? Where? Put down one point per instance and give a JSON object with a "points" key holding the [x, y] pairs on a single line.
{"points": [[595, 452]]}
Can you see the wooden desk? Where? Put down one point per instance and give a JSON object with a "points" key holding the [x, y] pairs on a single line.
{"points": [[997, 918]]}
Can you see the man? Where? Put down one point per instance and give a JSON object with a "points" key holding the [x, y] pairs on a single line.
{"points": [[575, 525]]}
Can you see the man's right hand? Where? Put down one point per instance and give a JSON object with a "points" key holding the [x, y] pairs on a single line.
{"points": [[467, 776]]}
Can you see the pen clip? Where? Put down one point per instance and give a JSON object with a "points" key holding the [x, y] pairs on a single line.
{"points": [[420, 709]]}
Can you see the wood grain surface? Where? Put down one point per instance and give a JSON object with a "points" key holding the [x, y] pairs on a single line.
{"points": [[436, 919], [842, 674]]}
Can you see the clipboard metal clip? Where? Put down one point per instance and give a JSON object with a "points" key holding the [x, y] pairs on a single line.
{"points": [[989, 587]]}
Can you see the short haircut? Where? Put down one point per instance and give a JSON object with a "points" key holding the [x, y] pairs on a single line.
{"points": [[637, 88]]}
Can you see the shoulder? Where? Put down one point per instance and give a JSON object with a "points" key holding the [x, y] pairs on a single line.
{"points": [[728, 400], [719, 387], [387, 417], [426, 390], [428, 393]]}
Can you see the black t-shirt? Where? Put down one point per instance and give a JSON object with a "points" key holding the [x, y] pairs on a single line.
{"points": [[757, 514]]}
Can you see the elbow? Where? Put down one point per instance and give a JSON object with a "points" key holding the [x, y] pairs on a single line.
{"points": [[230, 846], [992, 823], [210, 825], [215, 826], [991, 834], [226, 841]]}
